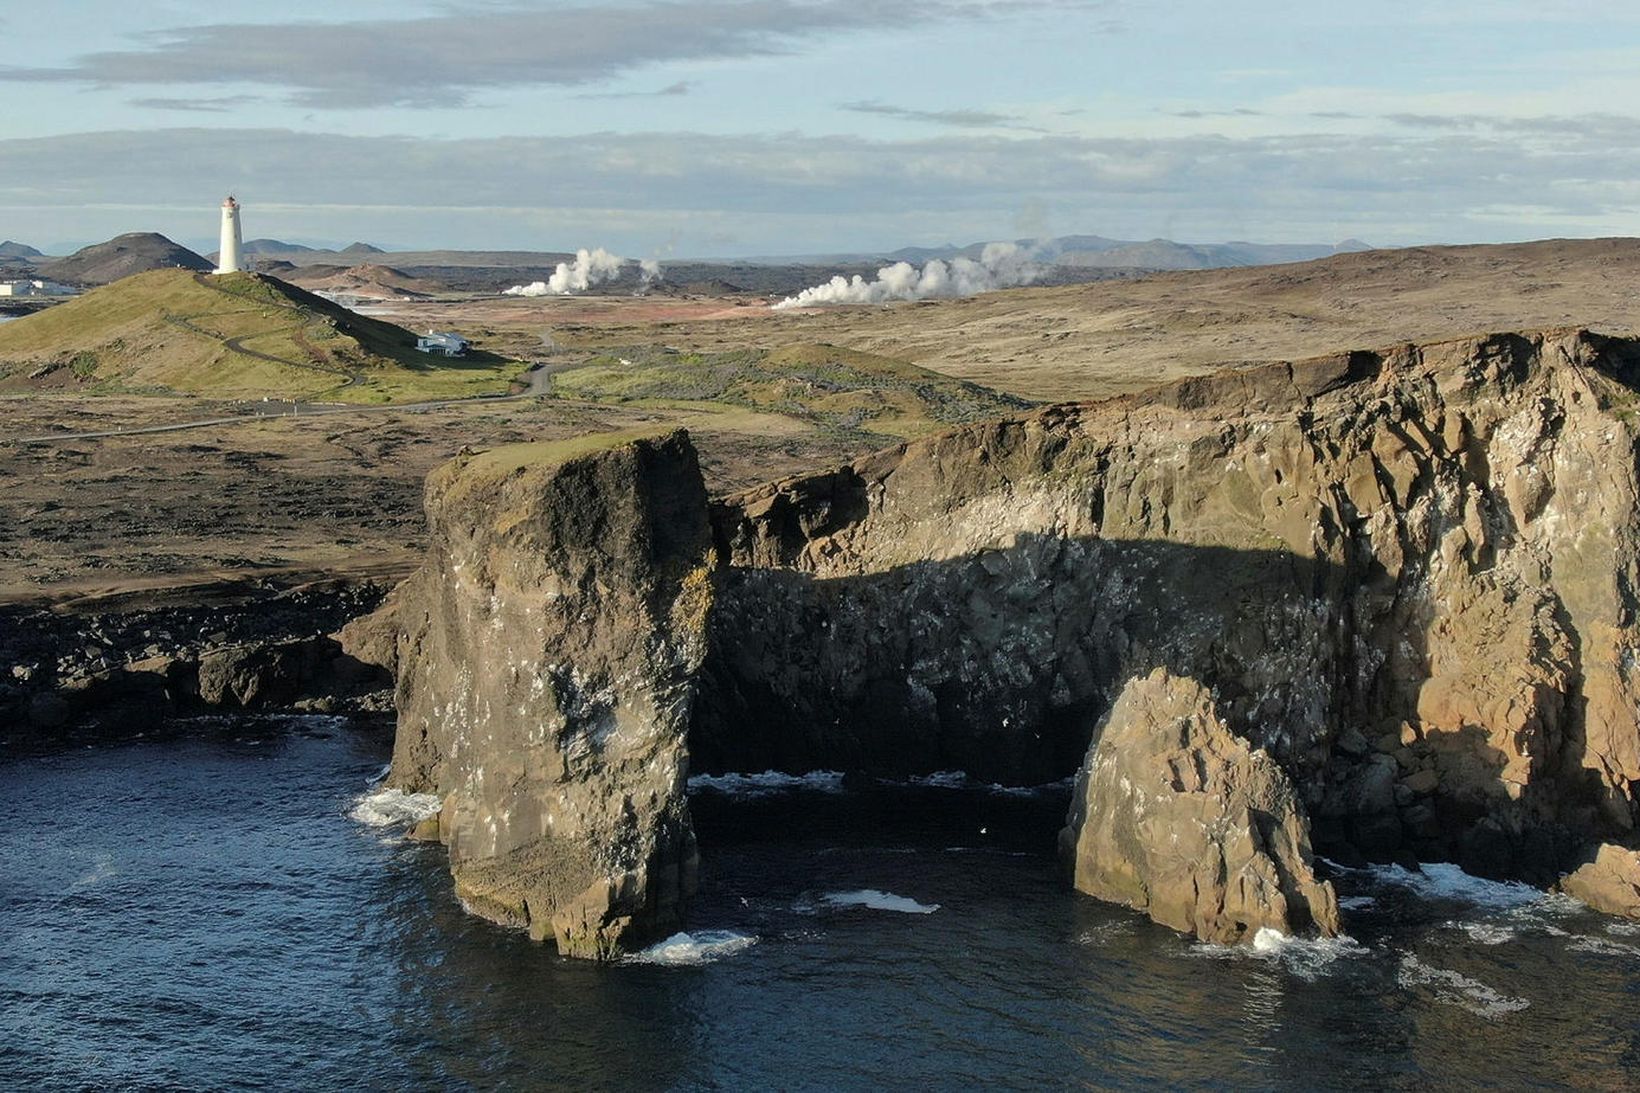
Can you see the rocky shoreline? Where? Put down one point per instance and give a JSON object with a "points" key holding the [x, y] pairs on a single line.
{"points": [[128, 669], [1391, 594]]}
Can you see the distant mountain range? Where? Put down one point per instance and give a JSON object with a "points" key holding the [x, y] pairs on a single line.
{"points": [[275, 248], [1093, 254], [1098, 252]]}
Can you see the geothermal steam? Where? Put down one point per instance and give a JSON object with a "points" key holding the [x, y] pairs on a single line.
{"points": [[591, 267], [1000, 265]]}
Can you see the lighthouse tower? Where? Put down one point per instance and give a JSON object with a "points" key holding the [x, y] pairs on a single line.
{"points": [[227, 260]]}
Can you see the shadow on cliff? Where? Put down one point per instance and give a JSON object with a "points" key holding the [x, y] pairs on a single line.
{"points": [[1001, 664]]}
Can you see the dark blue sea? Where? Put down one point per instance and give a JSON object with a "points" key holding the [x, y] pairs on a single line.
{"points": [[203, 911]]}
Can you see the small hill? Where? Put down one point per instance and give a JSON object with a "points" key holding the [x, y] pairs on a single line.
{"points": [[122, 256], [242, 335], [372, 281], [360, 248], [9, 249], [273, 246]]}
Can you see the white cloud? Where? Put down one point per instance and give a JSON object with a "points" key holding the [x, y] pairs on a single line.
{"points": [[441, 60]]}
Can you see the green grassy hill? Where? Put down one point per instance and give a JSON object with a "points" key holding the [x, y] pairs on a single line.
{"points": [[835, 389], [240, 335]]}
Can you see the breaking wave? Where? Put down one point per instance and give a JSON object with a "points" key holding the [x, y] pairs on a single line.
{"points": [[1308, 958], [700, 947], [770, 781], [394, 808], [1445, 881], [878, 901]]}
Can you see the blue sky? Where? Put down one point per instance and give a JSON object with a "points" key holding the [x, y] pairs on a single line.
{"points": [[723, 127]]}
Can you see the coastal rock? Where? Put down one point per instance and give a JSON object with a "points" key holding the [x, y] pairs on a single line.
{"points": [[1432, 548], [1407, 578], [1608, 881], [1176, 816], [547, 656]]}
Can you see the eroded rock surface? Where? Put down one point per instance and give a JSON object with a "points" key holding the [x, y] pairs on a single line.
{"points": [[1176, 816], [1409, 576], [546, 657]]}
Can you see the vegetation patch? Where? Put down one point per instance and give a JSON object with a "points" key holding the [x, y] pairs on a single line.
{"points": [[833, 389], [242, 335]]}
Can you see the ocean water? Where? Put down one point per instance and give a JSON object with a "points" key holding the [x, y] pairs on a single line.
{"points": [[232, 906]]}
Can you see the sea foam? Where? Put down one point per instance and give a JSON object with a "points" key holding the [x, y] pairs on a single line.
{"points": [[700, 947], [1453, 989], [1445, 881], [394, 807], [878, 901], [1306, 957], [770, 781]]}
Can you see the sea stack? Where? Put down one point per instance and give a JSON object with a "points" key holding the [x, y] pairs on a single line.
{"points": [[228, 254]]}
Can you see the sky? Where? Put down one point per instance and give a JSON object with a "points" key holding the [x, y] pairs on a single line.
{"points": [[672, 128]]}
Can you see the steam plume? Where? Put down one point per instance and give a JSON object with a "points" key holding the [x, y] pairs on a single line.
{"points": [[1000, 265], [649, 271], [591, 267]]}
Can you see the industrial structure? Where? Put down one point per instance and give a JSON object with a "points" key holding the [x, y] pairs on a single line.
{"points": [[443, 342], [228, 254]]}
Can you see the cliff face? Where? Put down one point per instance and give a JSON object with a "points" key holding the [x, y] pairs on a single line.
{"points": [[1407, 578], [546, 656]]}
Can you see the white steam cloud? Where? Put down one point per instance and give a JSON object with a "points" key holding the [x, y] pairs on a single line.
{"points": [[591, 267], [1000, 265], [649, 271]]}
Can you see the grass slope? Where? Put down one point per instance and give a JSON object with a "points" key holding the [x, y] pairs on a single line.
{"points": [[837, 390], [241, 335]]}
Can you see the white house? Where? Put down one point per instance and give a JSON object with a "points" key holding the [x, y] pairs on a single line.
{"points": [[34, 288], [444, 343]]}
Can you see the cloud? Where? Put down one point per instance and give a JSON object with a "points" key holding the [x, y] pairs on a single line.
{"points": [[682, 87], [219, 105], [961, 119], [1239, 112], [442, 60], [775, 192]]}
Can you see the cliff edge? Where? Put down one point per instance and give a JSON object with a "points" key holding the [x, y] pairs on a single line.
{"points": [[1405, 581]]}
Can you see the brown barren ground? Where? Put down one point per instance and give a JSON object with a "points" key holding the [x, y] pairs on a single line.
{"points": [[292, 498]]}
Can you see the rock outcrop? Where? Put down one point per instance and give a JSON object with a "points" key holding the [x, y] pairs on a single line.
{"points": [[1176, 816], [226, 647], [1408, 578], [546, 658], [1608, 881]]}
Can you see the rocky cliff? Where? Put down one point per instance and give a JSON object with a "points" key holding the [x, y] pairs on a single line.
{"points": [[1407, 578], [546, 656]]}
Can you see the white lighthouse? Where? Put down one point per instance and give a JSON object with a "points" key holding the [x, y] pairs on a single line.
{"points": [[227, 260]]}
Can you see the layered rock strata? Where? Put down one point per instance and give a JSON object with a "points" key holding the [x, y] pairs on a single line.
{"points": [[1406, 577], [546, 655], [1174, 815]]}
